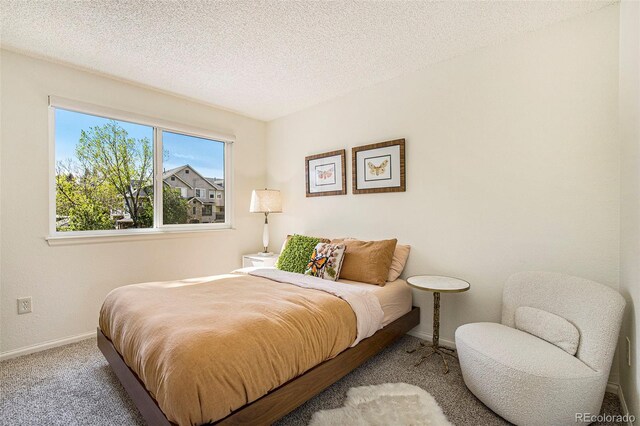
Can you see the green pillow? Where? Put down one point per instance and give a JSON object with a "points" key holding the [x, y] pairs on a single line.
{"points": [[296, 254]]}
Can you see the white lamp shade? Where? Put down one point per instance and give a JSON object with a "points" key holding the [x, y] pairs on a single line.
{"points": [[266, 201]]}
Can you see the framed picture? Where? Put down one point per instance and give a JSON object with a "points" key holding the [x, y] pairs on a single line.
{"points": [[379, 167], [326, 174]]}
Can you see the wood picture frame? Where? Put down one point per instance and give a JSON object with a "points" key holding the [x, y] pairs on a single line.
{"points": [[326, 170], [379, 167]]}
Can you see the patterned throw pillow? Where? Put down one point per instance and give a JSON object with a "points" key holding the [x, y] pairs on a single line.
{"points": [[326, 261], [295, 256]]}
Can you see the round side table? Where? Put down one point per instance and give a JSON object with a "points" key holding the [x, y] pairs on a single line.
{"points": [[437, 285]]}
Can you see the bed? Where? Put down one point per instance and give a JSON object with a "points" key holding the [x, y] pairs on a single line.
{"points": [[246, 347]]}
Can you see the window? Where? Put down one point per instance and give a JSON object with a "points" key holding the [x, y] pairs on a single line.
{"points": [[207, 210], [109, 165], [219, 195], [206, 164], [212, 194], [103, 173]]}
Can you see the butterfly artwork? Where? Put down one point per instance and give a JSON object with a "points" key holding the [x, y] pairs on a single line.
{"points": [[379, 169], [325, 174]]}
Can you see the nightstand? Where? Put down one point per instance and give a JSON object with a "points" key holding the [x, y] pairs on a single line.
{"points": [[257, 260], [437, 285]]}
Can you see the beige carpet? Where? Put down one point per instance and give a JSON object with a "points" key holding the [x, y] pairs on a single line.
{"points": [[73, 385]]}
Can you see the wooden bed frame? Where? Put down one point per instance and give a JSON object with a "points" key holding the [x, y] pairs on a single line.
{"points": [[280, 401]]}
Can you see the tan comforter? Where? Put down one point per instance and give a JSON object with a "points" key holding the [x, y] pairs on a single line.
{"points": [[204, 348]]}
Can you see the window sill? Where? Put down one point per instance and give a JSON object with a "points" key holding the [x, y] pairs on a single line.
{"points": [[76, 238]]}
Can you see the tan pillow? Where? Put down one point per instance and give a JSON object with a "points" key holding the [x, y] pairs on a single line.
{"points": [[398, 262], [367, 261], [400, 256]]}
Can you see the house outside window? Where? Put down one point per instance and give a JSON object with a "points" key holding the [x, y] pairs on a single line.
{"points": [[93, 198], [199, 185]]}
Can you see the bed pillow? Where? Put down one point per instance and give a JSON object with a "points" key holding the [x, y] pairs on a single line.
{"points": [[399, 260], [550, 327], [367, 261], [296, 254], [326, 261]]}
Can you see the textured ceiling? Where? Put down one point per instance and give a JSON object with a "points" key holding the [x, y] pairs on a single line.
{"points": [[266, 59]]}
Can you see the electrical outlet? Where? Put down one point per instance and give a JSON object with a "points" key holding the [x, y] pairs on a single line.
{"points": [[628, 352], [24, 305]]}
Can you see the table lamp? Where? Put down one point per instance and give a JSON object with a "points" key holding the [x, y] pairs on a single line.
{"points": [[266, 201]]}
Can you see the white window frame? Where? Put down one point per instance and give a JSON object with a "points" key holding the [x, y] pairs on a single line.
{"points": [[212, 195], [159, 125], [200, 191]]}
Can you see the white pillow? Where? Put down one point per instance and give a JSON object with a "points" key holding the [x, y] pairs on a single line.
{"points": [[550, 327], [400, 256]]}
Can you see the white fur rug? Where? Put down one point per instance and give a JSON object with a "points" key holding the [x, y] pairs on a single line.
{"points": [[387, 404]]}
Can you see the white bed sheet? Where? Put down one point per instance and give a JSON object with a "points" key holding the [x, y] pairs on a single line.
{"points": [[395, 298]]}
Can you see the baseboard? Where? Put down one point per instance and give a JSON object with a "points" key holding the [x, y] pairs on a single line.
{"points": [[426, 336], [46, 345], [623, 405], [612, 387], [617, 389]]}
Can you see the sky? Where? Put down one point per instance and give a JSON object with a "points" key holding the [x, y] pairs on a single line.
{"points": [[204, 155]]}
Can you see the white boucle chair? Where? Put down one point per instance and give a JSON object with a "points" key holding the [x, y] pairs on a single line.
{"points": [[529, 381]]}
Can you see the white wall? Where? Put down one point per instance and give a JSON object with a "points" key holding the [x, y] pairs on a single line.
{"points": [[512, 165], [68, 283], [630, 197]]}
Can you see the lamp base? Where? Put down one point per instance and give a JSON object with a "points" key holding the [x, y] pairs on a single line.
{"points": [[265, 253]]}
